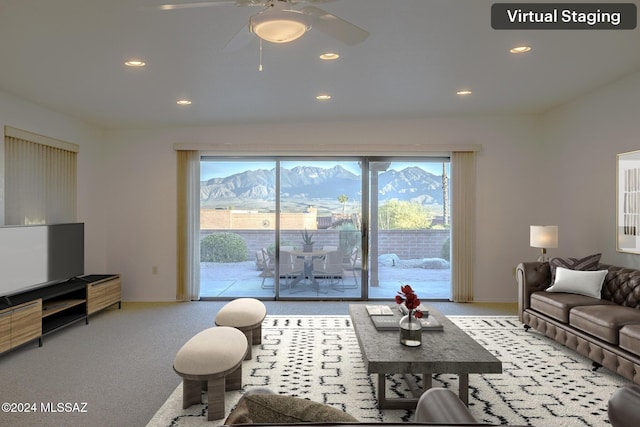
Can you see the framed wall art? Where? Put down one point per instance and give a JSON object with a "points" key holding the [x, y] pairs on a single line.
{"points": [[628, 202]]}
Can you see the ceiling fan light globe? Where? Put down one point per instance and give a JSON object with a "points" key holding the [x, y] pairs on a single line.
{"points": [[279, 31], [279, 26]]}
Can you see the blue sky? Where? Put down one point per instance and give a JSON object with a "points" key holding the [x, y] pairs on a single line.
{"points": [[221, 169]]}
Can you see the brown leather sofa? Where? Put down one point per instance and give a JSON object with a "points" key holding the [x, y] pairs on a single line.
{"points": [[606, 330]]}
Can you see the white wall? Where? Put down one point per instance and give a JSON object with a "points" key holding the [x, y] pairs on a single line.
{"points": [[581, 140], [141, 230], [28, 116], [554, 169]]}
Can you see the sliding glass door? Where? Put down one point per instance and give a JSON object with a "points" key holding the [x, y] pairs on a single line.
{"points": [[237, 227], [294, 228], [409, 227], [320, 222]]}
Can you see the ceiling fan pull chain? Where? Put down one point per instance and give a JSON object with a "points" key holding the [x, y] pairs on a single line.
{"points": [[260, 66]]}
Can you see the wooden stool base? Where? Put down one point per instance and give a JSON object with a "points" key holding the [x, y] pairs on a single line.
{"points": [[215, 386]]}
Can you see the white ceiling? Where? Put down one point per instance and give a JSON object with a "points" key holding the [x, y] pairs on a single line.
{"points": [[68, 55]]}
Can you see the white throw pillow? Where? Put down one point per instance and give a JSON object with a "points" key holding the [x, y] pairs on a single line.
{"points": [[588, 283]]}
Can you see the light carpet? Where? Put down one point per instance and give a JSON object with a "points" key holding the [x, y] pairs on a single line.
{"points": [[318, 358]]}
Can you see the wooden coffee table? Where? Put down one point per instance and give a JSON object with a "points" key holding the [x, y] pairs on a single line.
{"points": [[449, 351]]}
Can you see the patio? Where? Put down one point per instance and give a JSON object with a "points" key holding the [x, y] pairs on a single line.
{"points": [[244, 279]]}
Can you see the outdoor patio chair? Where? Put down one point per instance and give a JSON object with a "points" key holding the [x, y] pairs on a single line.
{"points": [[330, 268], [353, 268], [319, 263], [260, 260], [289, 267], [268, 268]]}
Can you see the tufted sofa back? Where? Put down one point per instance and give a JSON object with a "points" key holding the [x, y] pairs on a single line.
{"points": [[621, 285]]}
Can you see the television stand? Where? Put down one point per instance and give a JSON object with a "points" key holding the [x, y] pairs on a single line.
{"points": [[34, 314]]}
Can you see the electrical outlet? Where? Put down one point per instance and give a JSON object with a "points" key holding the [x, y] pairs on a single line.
{"points": [[154, 269]]}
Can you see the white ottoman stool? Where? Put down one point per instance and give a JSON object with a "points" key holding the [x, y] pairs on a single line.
{"points": [[211, 360], [245, 314]]}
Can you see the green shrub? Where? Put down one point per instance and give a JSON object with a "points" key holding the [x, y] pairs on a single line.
{"points": [[445, 252], [223, 247]]}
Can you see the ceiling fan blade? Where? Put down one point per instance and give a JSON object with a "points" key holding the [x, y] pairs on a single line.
{"points": [[311, 1], [335, 27], [239, 41], [190, 4]]}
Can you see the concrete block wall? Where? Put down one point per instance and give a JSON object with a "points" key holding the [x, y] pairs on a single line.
{"points": [[407, 244]]}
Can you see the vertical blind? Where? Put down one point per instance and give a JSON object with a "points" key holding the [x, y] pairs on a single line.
{"points": [[463, 217], [188, 237], [40, 179]]}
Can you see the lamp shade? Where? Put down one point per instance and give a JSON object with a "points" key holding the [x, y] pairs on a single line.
{"points": [[543, 236]]}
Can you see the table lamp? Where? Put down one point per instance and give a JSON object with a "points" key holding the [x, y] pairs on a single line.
{"points": [[543, 237]]}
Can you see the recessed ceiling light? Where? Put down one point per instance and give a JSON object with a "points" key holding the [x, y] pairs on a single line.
{"points": [[520, 49], [329, 56], [323, 97], [135, 63], [183, 102], [464, 92]]}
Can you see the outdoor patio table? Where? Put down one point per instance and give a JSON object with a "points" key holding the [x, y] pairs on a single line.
{"points": [[308, 266]]}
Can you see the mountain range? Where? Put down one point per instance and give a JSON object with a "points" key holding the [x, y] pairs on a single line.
{"points": [[308, 182]]}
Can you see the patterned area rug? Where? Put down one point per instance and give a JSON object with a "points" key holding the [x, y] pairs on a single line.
{"points": [[318, 358]]}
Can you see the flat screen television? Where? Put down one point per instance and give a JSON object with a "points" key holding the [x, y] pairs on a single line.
{"points": [[33, 256]]}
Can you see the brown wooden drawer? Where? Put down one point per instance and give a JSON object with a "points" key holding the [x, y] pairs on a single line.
{"points": [[95, 297], [102, 294], [5, 330], [112, 292], [26, 322]]}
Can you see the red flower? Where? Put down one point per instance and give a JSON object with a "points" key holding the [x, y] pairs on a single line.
{"points": [[410, 300]]}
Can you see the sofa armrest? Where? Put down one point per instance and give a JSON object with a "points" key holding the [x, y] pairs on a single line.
{"points": [[531, 277], [442, 406]]}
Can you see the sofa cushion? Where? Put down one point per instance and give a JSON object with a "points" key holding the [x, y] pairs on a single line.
{"points": [[630, 338], [240, 414], [278, 409], [603, 321], [588, 263], [587, 283], [558, 304], [622, 286]]}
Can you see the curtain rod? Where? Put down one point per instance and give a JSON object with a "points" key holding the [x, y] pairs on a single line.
{"points": [[330, 149]]}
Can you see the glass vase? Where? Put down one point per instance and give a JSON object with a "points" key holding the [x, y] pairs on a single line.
{"points": [[410, 331]]}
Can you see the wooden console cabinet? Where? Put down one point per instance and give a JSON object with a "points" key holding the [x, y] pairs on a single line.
{"points": [[34, 314]]}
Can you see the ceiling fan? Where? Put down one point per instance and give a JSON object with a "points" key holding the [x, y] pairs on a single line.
{"points": [[279, 21]]}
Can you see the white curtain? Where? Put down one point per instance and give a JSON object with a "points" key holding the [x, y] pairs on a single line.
{"points": [[40, 179], [188, 280], [463, 195]]}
